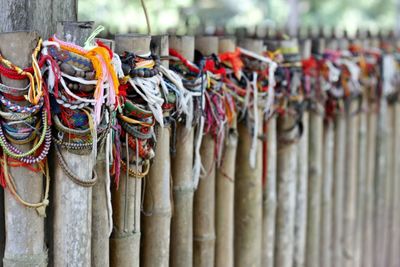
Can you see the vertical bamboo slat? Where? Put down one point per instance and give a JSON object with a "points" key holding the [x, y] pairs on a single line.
{"points": [[72, 207], [156, 219], [302, 181], [225, 181], [248, 188], [24, 243], [126, 200], [182, 178], [204, 197], [270, 202], [101, 195]]}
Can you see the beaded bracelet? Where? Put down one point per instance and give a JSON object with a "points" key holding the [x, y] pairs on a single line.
{"points": [[136, 174], [21, 109]]}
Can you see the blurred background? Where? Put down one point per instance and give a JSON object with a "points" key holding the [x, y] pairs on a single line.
{"points": [[192, 16]]}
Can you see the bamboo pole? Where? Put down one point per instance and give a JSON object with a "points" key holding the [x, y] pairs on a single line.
{"points": [[248, 188], [301, 183], [338, 181], [270, 202], [368, 228], [126, 200], [286, 179], [204, 197], [156, 219], [381, 169], [395, 231], [327, 184], [225, 180], [182, 178], [24, 243], [315, 164], [101, 198], [362, 172], [351, 176], [72, 203]]}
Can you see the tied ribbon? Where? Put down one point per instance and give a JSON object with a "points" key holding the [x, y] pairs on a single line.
{"points": [[187, 63], [234, 60], [310, 67], [211, 67]]}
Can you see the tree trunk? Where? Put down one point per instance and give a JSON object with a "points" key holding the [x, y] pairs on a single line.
{"points": [[28, 15], [182, 178]]}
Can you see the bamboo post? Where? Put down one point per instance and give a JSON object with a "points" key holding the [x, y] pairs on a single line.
{"points": [[381, 169], [315, 155], [269, 191], [225, 181], [182, 177], [248, 189], [204, 197], [368, 228], [327, 184], [351, 176], [286, 179], [269, 198], [395, 231], [101, 198], [72, 207], [156, 218], [338, 181], [25, 237], [126, 200], [301, 183], [362, 173]]}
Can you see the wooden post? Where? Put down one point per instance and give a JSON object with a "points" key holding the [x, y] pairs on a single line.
{"points": [[269, 194], [25, 237], [182, 177], [248, 188], [156, 218], [338, 181], [101, 198], [286, 179], [225, 181], [269, 198], [395, 231], [315, 163], [72, 209], [327, 184], [126, 200], [351, 176], [28, 15], [204, 197], [362, 171], [302, 181]]}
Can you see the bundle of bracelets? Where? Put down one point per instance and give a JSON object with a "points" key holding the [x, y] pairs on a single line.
{"points": [[25, 119], [194, 82], [214, 102], [258, 96], [141, 107], [289, 91], [83, 85]]}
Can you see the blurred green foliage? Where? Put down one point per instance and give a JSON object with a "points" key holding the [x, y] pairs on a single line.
{"points": [[188, 15]]}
